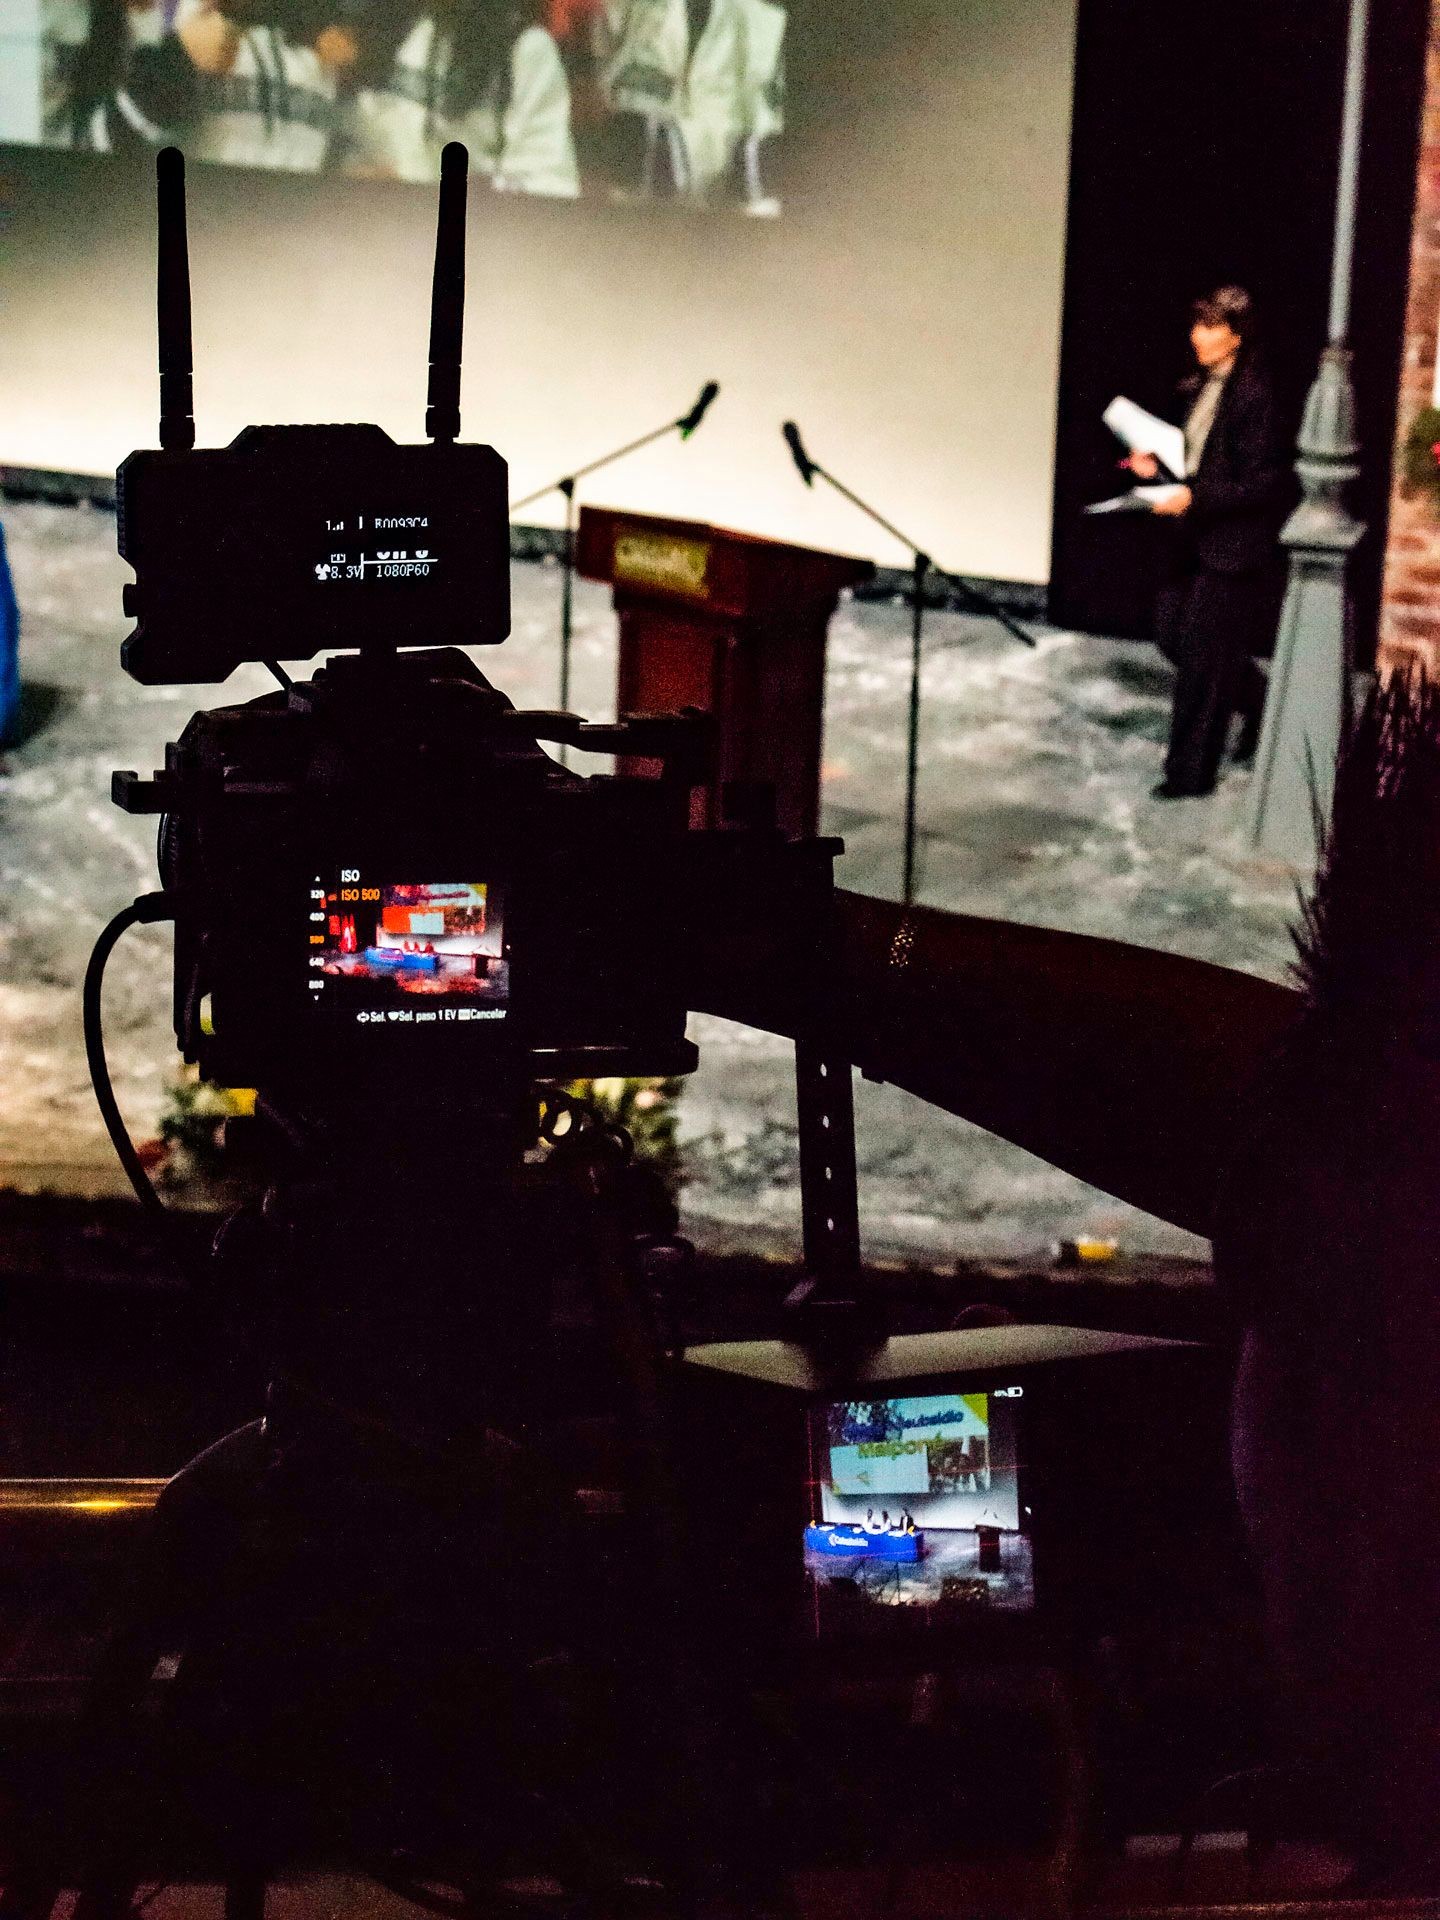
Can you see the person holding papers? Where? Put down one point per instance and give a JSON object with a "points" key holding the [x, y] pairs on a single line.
{"points": [[1220, 601]]}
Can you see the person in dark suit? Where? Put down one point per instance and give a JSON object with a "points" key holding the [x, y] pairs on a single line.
{"points": [[1220, 602]]}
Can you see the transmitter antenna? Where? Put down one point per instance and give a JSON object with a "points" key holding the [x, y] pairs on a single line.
{"points": [[447, 298], [172, 304]]}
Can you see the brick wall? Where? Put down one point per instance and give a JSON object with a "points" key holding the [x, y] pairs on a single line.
{"points": [[1410, 609]]}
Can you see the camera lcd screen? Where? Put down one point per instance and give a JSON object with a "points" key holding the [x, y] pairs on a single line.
{"points": [[916, 1503], [405, 952]]}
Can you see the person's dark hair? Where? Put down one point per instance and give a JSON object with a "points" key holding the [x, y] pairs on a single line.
{"points": [[1227, 306], [380, 31], [159, 80], [98, 65], [483, 36]]}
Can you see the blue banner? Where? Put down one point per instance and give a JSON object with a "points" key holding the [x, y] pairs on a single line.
{"points": [[9, 650]]}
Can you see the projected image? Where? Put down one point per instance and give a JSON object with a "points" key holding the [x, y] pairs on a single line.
{"points": [[619, 100], [917, 1504], [417, 953]]}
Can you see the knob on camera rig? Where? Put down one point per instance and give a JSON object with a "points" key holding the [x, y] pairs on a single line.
{"points": [[407, 926]]}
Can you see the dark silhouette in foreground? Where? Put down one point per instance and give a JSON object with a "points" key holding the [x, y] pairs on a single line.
{"points": [[1298, 1129]]}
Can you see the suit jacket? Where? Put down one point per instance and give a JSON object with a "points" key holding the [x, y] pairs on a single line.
{"points": [[1241, 490]]}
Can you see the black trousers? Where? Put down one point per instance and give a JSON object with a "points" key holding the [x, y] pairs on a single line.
{"points": [[1210, 625]]}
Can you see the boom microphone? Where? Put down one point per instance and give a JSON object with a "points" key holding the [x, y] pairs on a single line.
{"points": [[690, 421], [808, 468]]}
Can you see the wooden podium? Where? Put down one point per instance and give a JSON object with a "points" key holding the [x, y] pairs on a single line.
{"points": [[732, 624]]}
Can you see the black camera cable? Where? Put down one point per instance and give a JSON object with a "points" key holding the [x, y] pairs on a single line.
{"points": [[145, 911]]}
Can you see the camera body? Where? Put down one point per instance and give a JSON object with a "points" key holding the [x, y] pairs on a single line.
{"points": [[381, 878], [382, 883]]}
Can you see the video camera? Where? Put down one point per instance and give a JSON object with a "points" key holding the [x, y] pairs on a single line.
{"points": [[380, 874]]}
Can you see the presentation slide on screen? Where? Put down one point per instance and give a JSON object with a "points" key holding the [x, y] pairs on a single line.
{"points": [[565, 99], [848, 213], [944, 1460], [917, 1506]]}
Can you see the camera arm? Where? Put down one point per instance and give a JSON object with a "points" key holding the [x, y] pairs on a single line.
{"points": [[1123, 1066]]}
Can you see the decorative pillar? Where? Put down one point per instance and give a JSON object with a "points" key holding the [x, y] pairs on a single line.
{"points": [[1307, 709]]}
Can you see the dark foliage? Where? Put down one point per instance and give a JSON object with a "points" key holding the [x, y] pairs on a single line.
{"points": [[1369, 940]]}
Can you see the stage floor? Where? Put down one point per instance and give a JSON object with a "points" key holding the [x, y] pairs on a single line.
{"points": [[1034, 805]]}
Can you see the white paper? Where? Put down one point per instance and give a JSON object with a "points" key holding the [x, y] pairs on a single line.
{"points": [[1138, 499], [1142, 432]]}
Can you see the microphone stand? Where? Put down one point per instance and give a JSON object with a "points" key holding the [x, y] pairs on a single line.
{"points": [[923, 567], [684, 425]]}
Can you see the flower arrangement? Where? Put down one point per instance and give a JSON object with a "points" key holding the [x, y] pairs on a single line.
{"points": [[647, 1109], [189, 1159], [188, 1156]]}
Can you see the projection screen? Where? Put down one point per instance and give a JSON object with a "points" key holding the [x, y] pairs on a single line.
{"points": [[849, 214]]}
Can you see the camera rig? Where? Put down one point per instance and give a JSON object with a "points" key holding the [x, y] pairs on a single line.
{"points": [[379, 878], [407, 926]]}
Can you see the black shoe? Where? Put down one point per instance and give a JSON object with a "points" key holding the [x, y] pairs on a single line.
{"points": [[1168, 791], [1247, 740]]}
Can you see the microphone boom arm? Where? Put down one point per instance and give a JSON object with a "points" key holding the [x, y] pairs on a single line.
{"points": [[970, 596], [973, 596], [684, 424], [922, 566]]}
